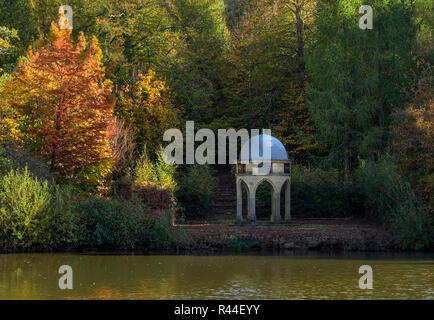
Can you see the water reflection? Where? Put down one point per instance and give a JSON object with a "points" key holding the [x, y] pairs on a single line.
{"points": [[34, 276]]}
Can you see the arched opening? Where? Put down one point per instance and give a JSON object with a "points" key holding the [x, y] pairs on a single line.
{"points": [[263, 200]]}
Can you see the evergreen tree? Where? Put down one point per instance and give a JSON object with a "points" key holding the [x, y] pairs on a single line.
{"points": [[357, 77]]}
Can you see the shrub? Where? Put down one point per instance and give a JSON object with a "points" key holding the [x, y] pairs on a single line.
{"points": [[196, 185], [154, 181], [321, 193], [66, 221], [158, 172], [145, 172], [24, 204], [165, 172], [160, 233], [107, 222], [390, 199], [381, 187], [413, 225], [191, 203], [123, 224], [33, 214]]}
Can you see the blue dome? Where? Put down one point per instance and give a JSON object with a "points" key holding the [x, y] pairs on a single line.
{"points": [[277, 150]]}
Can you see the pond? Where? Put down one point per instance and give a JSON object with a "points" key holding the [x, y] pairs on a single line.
{"points": [[250, 276]]}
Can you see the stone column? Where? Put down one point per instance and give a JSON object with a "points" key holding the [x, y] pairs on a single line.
{"points": [[239, 201], [275, 206], [251, 215], [288, 200]]}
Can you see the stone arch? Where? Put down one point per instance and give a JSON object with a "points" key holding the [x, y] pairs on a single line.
{"points": [[263, 193], [265, 179], [244, 205], [242, 184], [251, 183]]}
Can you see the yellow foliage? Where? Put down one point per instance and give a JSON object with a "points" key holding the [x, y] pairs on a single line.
{"points": [[149, 109]]}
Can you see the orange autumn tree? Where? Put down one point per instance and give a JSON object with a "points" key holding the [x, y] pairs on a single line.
{"points": [[65, 103]]}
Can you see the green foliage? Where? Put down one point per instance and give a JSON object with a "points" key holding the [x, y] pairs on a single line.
{"points": [[357, 77], [382, 188], [413, 225], [147, 107], [66, 221], [122, 225], [144, 171], [16, 15], [201, 178], [241, 244], [109, 222], [388, 198], [191, 203], [196, 184], [160, 233], [7, 38], [24, 204], [263, 201], [265, 80], [424, 16], [165, 172], [158, 173], [34, 214], [200, 30], [135, 35], [321, 193]]}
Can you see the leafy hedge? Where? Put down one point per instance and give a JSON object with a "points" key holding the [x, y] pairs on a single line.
{"points": [[320, 193], [35, 214]]}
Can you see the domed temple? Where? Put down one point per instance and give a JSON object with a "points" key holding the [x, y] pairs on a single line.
{"points": [[263, 158]]}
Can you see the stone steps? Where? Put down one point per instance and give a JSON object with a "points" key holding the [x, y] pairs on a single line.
{"points": [[223, 201], [224, 197]]}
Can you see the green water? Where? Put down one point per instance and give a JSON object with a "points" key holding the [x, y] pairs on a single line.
{"points": [[308, 276]]}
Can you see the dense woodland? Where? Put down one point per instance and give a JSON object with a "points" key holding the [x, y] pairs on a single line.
{"points": [[83, 112]]}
